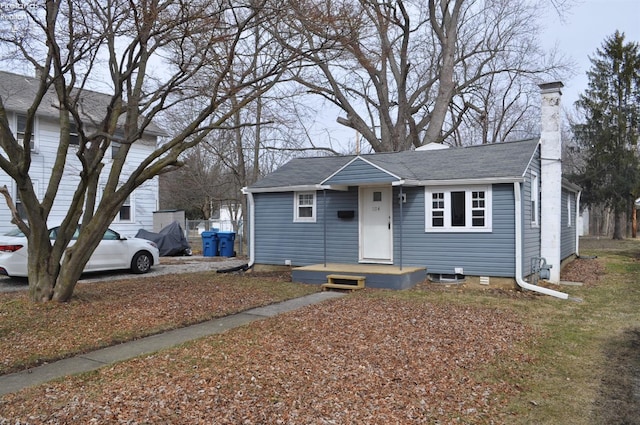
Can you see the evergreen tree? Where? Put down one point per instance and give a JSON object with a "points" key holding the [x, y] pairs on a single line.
{"points": [[608, 135]]}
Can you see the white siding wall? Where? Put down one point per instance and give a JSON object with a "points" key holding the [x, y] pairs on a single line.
{"points": [[144, 200]]}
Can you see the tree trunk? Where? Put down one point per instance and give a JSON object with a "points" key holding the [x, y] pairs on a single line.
{"points": [[48, 281], [618, 226], [67, 280], [75, 259], [41, 285], [447, 35], [42, 268], [634, 223]]}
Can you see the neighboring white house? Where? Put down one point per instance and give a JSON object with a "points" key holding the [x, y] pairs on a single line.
{"points": [[227, 219], [17, 93]]}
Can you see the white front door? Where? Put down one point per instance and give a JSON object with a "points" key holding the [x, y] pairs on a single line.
{"points": [[376, 237]]}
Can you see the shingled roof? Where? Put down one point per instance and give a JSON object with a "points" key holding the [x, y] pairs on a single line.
{"points": [[498, 161], [18, 92]]}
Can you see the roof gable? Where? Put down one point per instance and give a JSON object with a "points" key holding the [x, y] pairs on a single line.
{"points": [[360, 171]]}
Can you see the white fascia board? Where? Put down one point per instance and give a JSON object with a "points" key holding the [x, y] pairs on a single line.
{"points": [[301, 188], [464, 182], [533, 155], [365, 160]]}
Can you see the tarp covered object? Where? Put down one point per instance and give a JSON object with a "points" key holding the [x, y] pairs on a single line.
{"points": [[171, 240]]}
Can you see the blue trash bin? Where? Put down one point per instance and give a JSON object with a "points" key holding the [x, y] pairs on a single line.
{"points": [[210, 243], [225, 244]]}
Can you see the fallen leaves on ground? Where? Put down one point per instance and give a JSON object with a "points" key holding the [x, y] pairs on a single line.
{"points": [[106, 313], [362, 359], [585, 270], [356, 360]]}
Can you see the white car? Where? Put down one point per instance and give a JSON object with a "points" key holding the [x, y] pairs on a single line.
{"points": [[114, 252]]}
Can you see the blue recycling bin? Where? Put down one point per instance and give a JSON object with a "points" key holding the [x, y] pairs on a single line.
{"points": [[225, 244], [210, 243]]}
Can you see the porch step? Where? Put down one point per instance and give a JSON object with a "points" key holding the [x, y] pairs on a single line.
{"points": [[344, 281]]}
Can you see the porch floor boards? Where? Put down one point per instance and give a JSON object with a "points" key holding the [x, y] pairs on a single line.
{"points": [[359, 268], [376, 275]]}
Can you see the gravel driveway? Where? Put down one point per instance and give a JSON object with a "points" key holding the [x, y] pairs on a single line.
{"points": [[168, 265]]}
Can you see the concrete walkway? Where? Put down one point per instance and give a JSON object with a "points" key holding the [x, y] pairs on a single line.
{"points": [[117, 353]]}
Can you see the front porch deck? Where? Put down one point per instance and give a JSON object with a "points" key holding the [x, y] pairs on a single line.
{"points": [[376, 275]]}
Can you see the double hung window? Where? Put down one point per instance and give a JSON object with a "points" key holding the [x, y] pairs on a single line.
{"points": [[21, 127], [458, 209], [125, 211], [304, 207]]}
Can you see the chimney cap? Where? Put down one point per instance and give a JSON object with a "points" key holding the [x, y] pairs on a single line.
{"points": [[551, 87]]}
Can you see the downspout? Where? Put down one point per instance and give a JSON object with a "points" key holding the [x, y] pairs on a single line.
{"points": [[245, 267], [252, 232], [401, 224], [518, 223]]}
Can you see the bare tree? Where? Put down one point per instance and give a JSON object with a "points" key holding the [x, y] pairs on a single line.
{"points": [[262, 136], [197, 187], [406, 73], [503, 109], [199, 44]]}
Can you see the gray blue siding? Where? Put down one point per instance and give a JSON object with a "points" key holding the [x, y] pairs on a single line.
{"points": [[360, 172], [278, 238], [568, 232], [479, 254], [531, 236]]}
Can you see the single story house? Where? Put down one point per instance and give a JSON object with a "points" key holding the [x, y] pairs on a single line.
{"points": [[500, 210]]}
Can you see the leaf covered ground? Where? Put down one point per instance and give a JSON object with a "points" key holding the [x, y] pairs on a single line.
{"points": [[361, 359], [106, 313], [428, 355]]}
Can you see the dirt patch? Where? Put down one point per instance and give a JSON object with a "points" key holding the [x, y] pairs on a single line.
{"points": [[618, 400]]}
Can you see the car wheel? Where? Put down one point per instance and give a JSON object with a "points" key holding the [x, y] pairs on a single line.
{"points": [[141, 263]]}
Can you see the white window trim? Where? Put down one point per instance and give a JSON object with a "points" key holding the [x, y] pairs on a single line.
{"points": [[447, 228], [116, 218], [296, 210], [535, 199], [35, 145], [132, 217]]}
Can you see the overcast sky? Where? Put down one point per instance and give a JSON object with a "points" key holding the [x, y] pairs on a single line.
{"points": [[583, 31]]}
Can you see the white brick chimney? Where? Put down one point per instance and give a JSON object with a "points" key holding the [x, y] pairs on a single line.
{"points": [[551, 177]]}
